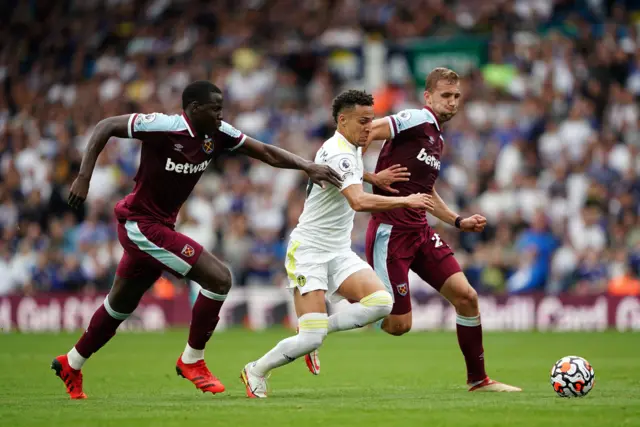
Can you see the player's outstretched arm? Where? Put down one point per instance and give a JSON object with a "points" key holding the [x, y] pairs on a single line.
{"points": [[444, 213], [380, 131], [385, 178], [279, 158], [112, 126], [361, 201]]}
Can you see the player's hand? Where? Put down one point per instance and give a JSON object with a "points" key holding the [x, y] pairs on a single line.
{"points": [[420, 201], [319, 174], [474, 223], [78, 192], [395, 173]]}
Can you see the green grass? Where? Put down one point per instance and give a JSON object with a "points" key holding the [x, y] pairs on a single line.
{"points": [[368, 379]]}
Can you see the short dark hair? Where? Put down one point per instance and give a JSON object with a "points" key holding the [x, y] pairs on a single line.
{"points": [[350, 99], [198, 91]]}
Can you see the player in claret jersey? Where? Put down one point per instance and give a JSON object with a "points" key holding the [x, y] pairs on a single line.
{"points": [[401, 239], [176, 150]]}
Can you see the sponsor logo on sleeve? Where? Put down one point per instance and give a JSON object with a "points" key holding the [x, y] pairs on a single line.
{"points": [[404, 115], [146, 118], [345, 164]]}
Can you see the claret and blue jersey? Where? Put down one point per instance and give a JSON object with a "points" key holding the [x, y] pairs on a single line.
{"points": [[173, 158], [416, 143]]}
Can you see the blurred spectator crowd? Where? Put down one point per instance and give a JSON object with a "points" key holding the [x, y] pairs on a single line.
{"points": [[546, 146]]}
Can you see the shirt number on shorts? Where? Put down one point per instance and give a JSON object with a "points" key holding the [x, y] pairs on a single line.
{"points": [[436, 239]]}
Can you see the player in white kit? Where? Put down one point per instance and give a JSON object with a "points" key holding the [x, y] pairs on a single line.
{"points": [[319, 261]]}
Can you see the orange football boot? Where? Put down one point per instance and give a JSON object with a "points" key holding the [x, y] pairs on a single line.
{"points": [[313, 362], [490, 385], [199, 375], [71, 378]]}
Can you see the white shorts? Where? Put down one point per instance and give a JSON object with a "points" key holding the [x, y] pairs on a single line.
{"points": [[310, 269]]}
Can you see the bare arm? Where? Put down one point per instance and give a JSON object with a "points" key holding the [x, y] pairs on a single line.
{"points": [[474, 223], [105, 129], [279, 158], [385, 178], [272, 155], [113, 126], [380, 131], [360, 201], [442, 211], [370, 177]]}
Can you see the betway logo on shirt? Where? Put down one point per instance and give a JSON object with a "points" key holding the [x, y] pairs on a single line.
{"points": [[186, 168], [428, 159]]}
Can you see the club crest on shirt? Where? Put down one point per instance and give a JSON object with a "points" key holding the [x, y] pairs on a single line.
{"points": [[188, 251], [207, 145], [403, 289]]}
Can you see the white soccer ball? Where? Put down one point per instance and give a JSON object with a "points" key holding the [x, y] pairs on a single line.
{"points": [[572, 376]]}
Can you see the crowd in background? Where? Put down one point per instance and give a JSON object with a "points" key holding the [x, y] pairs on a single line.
{"points": [[546, 146]]}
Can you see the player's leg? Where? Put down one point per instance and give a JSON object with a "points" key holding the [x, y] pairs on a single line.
{"points": [[388, 252], [353, 279], [436, 265], [312, 330], [215, 279], [122, 300], [399, 321], [164, 247], [307, 269], [457, 290], [356, 281]]}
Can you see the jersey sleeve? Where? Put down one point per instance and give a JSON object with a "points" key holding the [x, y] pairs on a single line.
{"points": [[345, 164], [407, 119], [141, 125], [230, 137]]}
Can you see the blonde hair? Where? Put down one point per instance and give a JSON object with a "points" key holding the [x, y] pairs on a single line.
{"points": [[438, 74]]}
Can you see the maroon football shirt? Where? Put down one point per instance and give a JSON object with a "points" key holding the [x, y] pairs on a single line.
{"points": [[172, 160], [416, 143]]}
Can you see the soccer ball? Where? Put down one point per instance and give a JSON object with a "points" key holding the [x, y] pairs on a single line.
{"points": [[572, 376]]}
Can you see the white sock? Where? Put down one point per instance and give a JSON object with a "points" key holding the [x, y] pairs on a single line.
{"points": [[75, 360], [370, 309], [312, 331], [191, 355], [468, 321]]}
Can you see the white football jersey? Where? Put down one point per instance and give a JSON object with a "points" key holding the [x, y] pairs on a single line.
{"points": [[327, 219]]}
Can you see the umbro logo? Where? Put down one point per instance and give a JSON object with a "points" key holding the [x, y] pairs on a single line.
{"points": [[178, 147]]}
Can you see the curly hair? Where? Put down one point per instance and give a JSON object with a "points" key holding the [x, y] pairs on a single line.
{"points": [[349, 99]]}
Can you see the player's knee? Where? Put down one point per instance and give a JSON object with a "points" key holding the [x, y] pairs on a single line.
{"points": [[311, 340], [467, 301], [379, 303], [312, 330], [396, 328], [221, 283]]}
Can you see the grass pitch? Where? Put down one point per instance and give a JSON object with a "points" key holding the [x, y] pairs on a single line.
{"points": [[368, 379]]}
